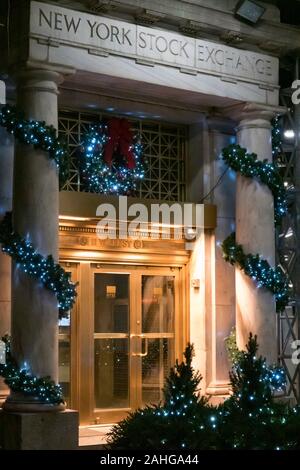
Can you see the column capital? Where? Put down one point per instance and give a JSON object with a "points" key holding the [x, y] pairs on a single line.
{"points": [[253, 114], [39, 80]]}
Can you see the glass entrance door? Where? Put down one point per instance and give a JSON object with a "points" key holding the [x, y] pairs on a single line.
{"points": [[133, 339]]}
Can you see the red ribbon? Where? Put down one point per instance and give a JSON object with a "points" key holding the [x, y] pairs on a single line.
{"points": [[120, 140]]}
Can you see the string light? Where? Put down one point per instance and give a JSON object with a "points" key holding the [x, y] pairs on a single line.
{"points": [[51, 275], [98, 176], [254, 266], [276, 138], [21, 380], [259, 270], [248, 419], [38, 134], [247, 165]]}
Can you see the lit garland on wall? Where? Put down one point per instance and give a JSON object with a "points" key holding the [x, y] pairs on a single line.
{"points": [[259, 270], [247, 165], [51, 275], [21, 380], [104, 176], [276, 138], [38, 134]]}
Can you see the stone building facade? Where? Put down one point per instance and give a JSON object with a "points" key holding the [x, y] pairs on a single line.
{"points": [[191, 79]]}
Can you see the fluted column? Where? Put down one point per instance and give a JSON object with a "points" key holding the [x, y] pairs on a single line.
{"points": [[255, 307], [35, 215]]}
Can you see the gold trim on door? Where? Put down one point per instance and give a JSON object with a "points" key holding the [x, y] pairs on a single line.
{"points": [[137, 339], [83, 336]]}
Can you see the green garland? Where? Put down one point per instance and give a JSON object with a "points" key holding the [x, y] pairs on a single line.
{"points": [[259, 270], [247, 165], [21, 380], [254, 266], [51, 275], [38, 134]]}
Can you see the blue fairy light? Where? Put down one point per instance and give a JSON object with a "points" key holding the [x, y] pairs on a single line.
{"points": [[97, 175], [51, 275], [248, 165], [273, 279], [38, 134], [21, 380]]}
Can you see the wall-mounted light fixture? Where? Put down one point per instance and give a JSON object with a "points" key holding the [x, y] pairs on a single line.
{"points": [[195, 283], [249, 11]]}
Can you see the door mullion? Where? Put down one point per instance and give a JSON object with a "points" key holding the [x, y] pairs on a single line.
{"points": [[136, 340]]}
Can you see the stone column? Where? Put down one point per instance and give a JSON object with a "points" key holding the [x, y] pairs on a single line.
{"points": [[6, 176], [255, 307], [222, 314], [35, 215]]}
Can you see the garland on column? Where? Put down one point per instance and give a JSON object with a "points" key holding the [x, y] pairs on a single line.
{"points": [[38, 134], [259, 270], [111, 159], [254, 266], [51, 275], [247, 165], [21, 380]]}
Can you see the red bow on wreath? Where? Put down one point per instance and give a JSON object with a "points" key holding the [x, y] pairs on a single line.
{"points": [[120, 140]]}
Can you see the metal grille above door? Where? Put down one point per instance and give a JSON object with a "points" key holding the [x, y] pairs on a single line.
{"points": [[165, 149]]}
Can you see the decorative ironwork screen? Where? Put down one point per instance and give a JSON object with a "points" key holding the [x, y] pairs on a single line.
{"points": [[165, 148]]}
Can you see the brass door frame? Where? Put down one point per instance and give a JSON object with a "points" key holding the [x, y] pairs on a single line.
{"points": [[85, 333], [73, 268]]}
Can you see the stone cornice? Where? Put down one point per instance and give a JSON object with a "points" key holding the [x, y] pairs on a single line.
{"points": [[216, 24]]}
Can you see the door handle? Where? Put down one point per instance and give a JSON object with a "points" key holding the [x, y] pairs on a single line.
{"points": [[141, 354], [144, 354]]}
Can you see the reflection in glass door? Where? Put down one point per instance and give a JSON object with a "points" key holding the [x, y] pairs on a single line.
{"points": [[67, 349], [111, 340], [133, 337], [158, 312]]}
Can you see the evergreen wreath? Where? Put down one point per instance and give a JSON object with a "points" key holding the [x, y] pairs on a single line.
{"points": [[111, 159]]}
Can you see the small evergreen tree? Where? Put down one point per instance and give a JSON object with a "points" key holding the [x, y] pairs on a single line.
{"points": [[181, 391], [249, 419], [173, 424], [249, 379]]}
